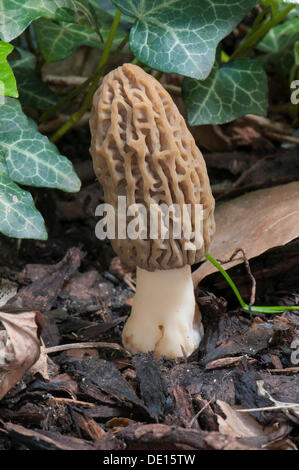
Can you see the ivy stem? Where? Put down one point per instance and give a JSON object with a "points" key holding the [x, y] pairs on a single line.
{"points": [[253, 39], [75, 117], [74, 92]]}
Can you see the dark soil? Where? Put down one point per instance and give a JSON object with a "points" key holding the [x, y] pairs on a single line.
{"points": [[100, 397]]}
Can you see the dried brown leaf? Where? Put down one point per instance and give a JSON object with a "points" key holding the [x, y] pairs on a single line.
{"points": [[19, 346], [255, 222], [238, 424], [41, 365]]}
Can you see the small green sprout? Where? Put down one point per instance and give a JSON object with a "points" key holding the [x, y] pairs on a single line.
{"points": [[244, 306]]}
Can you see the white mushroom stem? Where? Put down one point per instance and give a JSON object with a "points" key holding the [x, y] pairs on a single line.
{"points": [[164, 316]]}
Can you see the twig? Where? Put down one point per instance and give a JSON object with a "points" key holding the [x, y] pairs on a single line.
{"points": [[247, 265], [59, 80], [282, 371], [198, 414], [248, 171], [271, 408], [130, 282], [282, 137], [267, 123], [253, 281], [54, 124], [71, 400], [91, 344]]}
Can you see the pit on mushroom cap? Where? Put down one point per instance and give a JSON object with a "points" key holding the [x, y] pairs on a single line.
{"points": [[142, 149]]}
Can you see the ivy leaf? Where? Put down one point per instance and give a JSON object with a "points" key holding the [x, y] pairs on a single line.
{"points": [[233, 89], [279, 44], [8, 86], [16, 15], [33, 91], [57, 41], [3, 167], [31, 159], [181, 36], [279, 36], [19, 217]]}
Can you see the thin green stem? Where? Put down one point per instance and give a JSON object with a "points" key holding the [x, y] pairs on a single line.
{"points": [[227, 278], [257, 22], [270, 309], [250, 42], [74, 92], [248, 308], [109, 41], [105, 59]]}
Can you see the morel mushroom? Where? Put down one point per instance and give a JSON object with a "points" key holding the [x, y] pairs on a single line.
{"points": [[142, 150]]}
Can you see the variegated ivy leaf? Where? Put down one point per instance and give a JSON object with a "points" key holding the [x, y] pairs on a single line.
{"points": [[57, 41], [16, 15], [233, 89], [278, 36], [31, 159], [33, 91], [181, 36], [19, 217], [3, 167], [279, 45], [8, 86]]}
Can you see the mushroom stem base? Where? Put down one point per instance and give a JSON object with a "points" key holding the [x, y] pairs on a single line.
{"points": [[164, 317]]}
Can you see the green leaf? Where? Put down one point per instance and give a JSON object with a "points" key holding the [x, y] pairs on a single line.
{"points": [[58, 41], [18, 216], [181, 36], [279, 44], [279, 36], [33, 91], [3, 167], [31, 159], [233, 89], [16, 15], [8, 86]]}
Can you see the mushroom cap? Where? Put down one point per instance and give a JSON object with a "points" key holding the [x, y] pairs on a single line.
{"points": [[142, 149]]}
